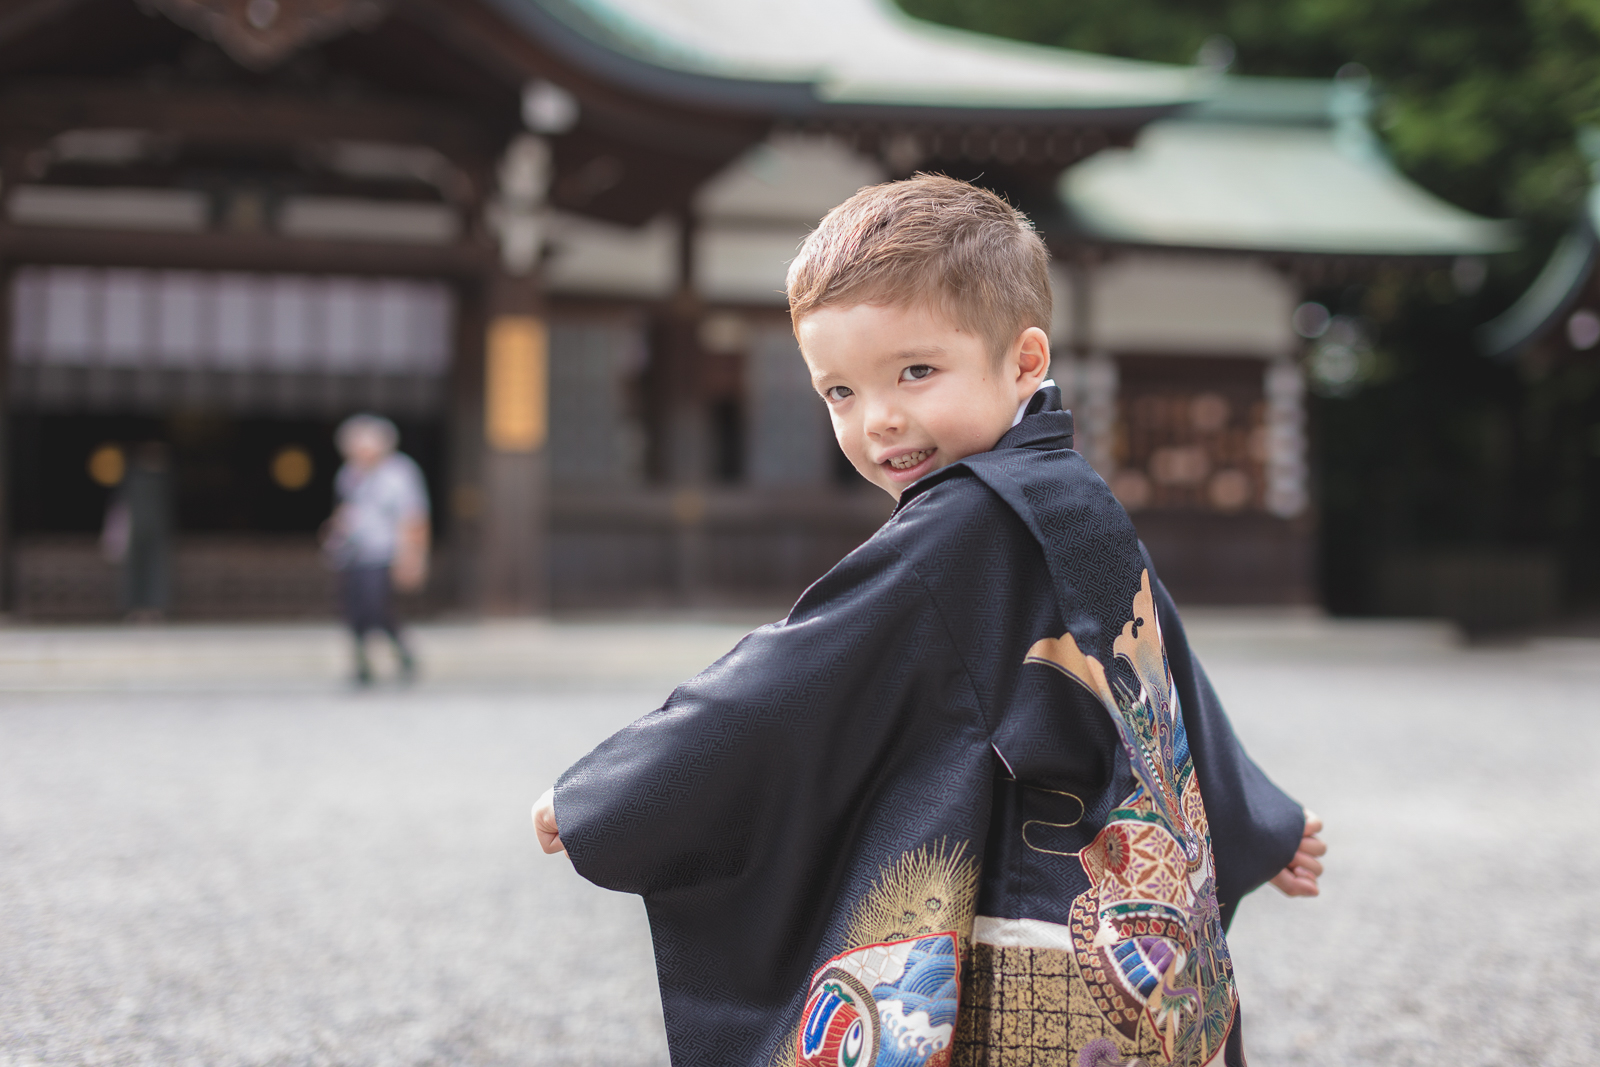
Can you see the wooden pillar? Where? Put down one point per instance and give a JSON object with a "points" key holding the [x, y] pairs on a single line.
{"points": [[502, 398], [1094, 373], [512, 564], [465, 450], [685, 447], [683, 442], [8, 562], [13, 170]]}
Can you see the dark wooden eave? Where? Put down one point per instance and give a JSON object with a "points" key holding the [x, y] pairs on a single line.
{"points": [[463, 261], [449, 73], [34, 111]]}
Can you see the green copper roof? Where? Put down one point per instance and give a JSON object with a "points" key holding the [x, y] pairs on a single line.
{"points": [[866, 52], [1275, 165]]}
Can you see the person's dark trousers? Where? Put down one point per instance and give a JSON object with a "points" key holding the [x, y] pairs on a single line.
{"points": [[145, 588], [368, 597]]}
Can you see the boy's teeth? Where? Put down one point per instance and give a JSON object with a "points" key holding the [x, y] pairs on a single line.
{"points": [[909, 460]]}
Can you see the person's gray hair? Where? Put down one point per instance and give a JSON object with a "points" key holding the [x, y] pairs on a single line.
{"points": [[368, 423]]}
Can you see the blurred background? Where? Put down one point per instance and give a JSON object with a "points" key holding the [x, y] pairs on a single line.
{"points": [[1325, 299], [1327, 312]]}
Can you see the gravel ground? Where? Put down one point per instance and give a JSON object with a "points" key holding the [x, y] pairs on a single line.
{"points": [[1458, 922], [286, 873]]}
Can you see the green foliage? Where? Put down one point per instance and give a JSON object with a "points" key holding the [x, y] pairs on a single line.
{"points": [[1165, 30]]}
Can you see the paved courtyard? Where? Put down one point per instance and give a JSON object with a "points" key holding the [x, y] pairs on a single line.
{"points": [[211, 852]]}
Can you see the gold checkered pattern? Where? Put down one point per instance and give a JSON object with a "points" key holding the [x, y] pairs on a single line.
{"points": [[1030, 1007]]}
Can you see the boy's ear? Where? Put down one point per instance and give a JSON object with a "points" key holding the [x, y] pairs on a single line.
{"points": [[1033, 358]]}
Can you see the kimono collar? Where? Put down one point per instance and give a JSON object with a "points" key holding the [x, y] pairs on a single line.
{"points": [[1043, 424]]}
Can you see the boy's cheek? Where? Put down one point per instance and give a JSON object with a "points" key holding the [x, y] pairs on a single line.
{"points": [[849, 443], [841, 431]]}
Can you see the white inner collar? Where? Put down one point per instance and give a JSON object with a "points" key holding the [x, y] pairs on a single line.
{"points": [[1022, 407]]}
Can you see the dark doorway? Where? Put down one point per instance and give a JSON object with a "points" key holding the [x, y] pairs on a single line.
{"points": [[233, 475]]}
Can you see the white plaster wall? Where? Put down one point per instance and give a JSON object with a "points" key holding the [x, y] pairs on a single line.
{"points": [[597, 257], [755, 213], [1061, 312], [744, 266], [737, 264], [1174, 303], [790, 178]]}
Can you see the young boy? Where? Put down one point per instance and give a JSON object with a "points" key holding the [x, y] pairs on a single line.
{"points": [[974, 802]]}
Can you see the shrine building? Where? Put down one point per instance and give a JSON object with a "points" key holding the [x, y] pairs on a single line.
{"points": [[548, 239]]}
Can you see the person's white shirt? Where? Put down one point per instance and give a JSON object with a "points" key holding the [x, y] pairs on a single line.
{"points": [[376, 503]]}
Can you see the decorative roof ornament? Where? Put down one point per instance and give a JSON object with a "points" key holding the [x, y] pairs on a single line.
{"points": [[517, 213], [259, 34]]}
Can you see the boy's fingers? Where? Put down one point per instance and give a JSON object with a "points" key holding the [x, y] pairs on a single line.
{"points": [[1313, 846], [1303, 886], [1313, 823], [1306, 865], [544, 823], [1291, 883]]}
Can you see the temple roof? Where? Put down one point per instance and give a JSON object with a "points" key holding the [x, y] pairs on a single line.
{"points": [[1269, 164], [830, 54]]}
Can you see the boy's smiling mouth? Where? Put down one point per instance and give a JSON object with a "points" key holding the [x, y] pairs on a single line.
{"points": [[908, 461]]}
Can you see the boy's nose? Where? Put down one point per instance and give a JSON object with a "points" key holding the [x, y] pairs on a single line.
{"points": [[882, 419]]}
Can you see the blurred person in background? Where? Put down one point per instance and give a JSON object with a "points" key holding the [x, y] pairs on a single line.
{"points": [[138, 532], [377, 537]]}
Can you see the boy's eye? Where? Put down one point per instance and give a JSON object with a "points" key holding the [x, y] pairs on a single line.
{"points": [[916, 372], [838, 392]]}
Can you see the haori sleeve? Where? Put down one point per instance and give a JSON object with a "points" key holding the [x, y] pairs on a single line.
{"points": [[1255, 826], [763, 758], [748, 809]]}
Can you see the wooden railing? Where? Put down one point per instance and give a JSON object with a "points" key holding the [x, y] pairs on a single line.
{"points": [[616, 549], [697, 547]]}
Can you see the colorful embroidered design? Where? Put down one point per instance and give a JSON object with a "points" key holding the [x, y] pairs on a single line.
{"points": [[894, 1001], [885, 1005], [841, 1023], [1147, 936], [929, 890]]}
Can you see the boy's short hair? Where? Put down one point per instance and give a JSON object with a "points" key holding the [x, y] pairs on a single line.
{"points": [[929, 238]]}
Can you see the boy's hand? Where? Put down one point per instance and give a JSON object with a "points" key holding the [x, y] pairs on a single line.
{"points": [[1299, 879], [544, 823]]}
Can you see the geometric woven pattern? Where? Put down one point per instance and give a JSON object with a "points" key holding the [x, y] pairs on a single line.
{"points": [[1027, 1007]]}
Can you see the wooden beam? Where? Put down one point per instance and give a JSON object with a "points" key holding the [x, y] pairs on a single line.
{"points": [[20, 16], [468, 261], [37, 110]]}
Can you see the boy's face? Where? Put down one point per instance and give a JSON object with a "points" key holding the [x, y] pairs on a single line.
{"points": [[910, 392]]}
